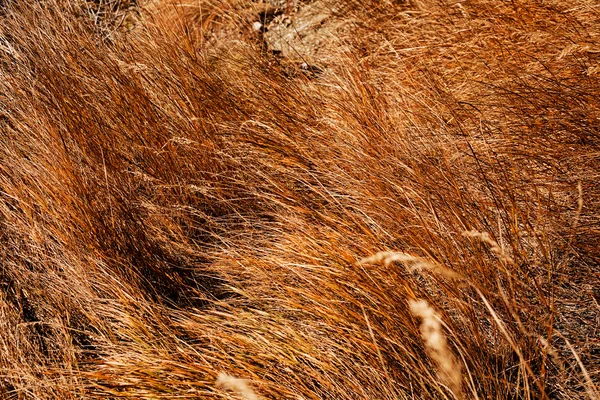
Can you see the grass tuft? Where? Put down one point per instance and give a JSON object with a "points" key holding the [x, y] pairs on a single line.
{"points": [[406, 206]]}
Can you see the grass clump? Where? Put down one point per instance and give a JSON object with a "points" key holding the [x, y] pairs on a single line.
{"points": [[186, 213]]}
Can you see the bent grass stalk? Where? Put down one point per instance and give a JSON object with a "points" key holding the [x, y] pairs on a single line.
{"points": [[449, 371]]}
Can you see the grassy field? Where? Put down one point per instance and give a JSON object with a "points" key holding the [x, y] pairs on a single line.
{"points": [[405, 205]]}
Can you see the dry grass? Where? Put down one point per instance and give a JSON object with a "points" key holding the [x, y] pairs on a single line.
{"points": [[176, 202]]}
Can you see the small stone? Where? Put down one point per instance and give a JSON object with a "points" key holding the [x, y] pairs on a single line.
{"points": [[257, 26]]}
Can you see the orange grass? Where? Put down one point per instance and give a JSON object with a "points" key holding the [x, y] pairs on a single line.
{"points": [[178, 204]]}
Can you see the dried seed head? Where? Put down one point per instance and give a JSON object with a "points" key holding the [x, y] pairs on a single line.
{"points": [[437, 346], [240, 386]]}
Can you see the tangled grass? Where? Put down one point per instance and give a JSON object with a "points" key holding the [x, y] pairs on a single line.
{"points": [[186, 215]]}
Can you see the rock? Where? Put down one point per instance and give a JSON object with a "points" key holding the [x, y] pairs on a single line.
{"points": [[257, 26]]}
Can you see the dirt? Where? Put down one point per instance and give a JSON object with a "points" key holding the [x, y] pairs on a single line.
{"points": [[305, 32], [302, 32], [308, 35]]}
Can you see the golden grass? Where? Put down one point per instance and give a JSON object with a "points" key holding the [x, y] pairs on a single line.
{"points": [[435, 341], [179, 206]]}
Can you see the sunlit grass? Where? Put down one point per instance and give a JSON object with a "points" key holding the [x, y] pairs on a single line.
{"points": [[186, 215]]}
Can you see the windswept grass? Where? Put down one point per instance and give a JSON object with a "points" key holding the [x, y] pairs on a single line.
{"points": [[185, 214]]}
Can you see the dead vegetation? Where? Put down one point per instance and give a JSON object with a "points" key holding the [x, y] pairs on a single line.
{"points": [[186, 213]]}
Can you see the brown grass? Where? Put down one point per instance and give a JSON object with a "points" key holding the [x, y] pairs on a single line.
{"points": [[176, 202]]}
